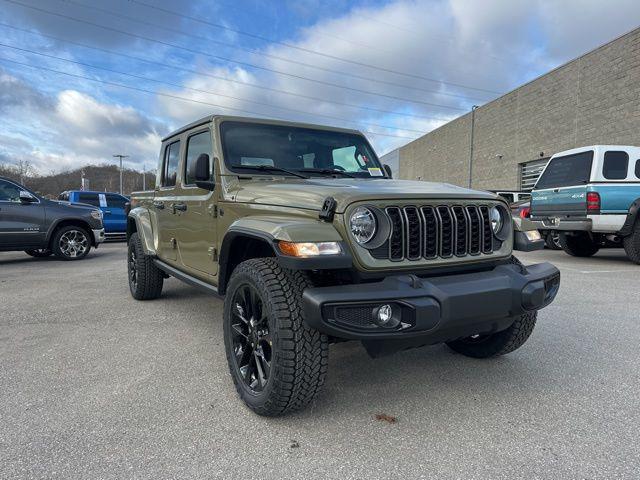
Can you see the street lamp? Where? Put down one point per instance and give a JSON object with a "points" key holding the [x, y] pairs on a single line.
{"points": [[121, 157]]}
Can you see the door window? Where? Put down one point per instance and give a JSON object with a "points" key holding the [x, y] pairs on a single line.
{"points": [[170, 166], [115, 201], [9, 192], [197, 145], [615, 165], [90, 198]]}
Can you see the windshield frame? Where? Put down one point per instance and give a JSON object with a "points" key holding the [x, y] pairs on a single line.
{"points": [[246, 170]]}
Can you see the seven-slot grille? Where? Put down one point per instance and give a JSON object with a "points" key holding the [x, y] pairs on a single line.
{"points": [[430, 232]]}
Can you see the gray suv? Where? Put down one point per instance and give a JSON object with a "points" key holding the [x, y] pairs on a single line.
{"points": [[42, 227]]}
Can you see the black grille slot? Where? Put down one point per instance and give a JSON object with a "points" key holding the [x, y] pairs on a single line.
{"points": [[413, 233], [447, 231], [461, 230], [487, 234], [430, 229], [358, 316], [475, 231], [396, 241]]}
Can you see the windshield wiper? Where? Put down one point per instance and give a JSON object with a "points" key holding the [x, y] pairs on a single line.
{"points": [[268, 168], [328, 171]]}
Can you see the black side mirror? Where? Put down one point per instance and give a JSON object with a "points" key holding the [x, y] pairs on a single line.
{"points": [[26, 197], [387, 170], [200, 172]]}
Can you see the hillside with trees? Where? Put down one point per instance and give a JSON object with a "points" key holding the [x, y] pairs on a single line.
{"points": [[100, 177]]}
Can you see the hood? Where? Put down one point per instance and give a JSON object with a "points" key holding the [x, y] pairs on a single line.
{"points": [[310, 193]]}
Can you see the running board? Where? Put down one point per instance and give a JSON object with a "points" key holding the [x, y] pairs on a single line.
{"points": [[174, 272]]}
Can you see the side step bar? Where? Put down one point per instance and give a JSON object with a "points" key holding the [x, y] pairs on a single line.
{"points": [[196, 282]]}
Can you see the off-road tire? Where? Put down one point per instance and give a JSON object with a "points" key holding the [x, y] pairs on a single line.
{"points": [[39, 252], [299, 354], [499, 343], [551, 243], [631, 244], [57, 249], [148, 280], [579, 245]]}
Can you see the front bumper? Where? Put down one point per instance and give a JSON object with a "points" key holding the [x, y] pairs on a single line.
{"points": [[434, 309], [98, 235]]}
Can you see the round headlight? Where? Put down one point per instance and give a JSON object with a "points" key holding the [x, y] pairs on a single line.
{"points": [[496, 220], [362, 225]]}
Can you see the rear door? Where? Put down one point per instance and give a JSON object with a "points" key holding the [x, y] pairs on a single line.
{"points": [[561, 190], [114, 211], [164, 200], [21, 224]]}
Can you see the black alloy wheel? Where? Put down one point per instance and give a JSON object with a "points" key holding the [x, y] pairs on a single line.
{"points": [[251, 338]]}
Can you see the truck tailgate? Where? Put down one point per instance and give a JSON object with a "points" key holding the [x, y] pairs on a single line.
{"points": [[559, 202]]}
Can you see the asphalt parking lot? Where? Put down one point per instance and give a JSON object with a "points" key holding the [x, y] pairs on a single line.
{"points": [[96, 385]]}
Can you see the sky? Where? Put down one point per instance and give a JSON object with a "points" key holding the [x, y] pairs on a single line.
{"points": [[83, 80]]}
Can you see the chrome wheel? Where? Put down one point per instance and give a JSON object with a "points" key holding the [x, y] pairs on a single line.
{"points": [[73, 243], [251, 339]]}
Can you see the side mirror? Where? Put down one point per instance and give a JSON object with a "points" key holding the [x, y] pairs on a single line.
{"points": [[201, 172], [387, 170], [26, 197]]}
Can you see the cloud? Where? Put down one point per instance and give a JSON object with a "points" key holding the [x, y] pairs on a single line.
{"points": [[15, 93]]}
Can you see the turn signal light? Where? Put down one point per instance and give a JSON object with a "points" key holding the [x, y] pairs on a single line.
{"points": [[593, 202], [309, 249]]}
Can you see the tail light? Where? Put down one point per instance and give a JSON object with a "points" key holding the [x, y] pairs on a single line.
{"points": [[525, 212], [593, 202]]}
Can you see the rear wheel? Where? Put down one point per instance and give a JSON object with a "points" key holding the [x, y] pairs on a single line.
{"points": [[145, 278], [39, 252], [71, 243], [500, 343], [278, 364], [579, 245], [632, 244]]}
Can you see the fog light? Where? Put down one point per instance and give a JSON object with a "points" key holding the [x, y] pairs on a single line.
{"points": [[383, 316]]}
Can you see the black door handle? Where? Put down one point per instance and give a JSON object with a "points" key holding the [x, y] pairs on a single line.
{"points": [[158, 205], [179, 206]]}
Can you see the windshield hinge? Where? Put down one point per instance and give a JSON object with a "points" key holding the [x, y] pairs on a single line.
{"points": [[328, 209]]}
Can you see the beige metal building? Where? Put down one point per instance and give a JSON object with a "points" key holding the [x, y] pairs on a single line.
{"points": [[594, 99]]}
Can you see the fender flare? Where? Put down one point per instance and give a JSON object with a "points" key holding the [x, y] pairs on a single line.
{"points": [[632, 215], [139, 220], [54, 226]]}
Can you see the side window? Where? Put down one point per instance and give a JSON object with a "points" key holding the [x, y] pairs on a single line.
{"points": [[115, 201], [196, 145], [615, 165], [170, 165], [638, 168], [90, 198], [9, 192]]}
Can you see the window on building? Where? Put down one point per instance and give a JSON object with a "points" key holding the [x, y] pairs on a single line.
{"points": [[170, 166], [615, 165], [89, 198], [197, 145]]}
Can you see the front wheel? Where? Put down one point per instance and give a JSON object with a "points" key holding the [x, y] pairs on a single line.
{"points": [[500, 343], [71, 243], [278, 363], [39, 252], [579, 245], [145, 278]]}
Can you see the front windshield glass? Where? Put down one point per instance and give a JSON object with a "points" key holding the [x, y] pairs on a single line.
{"points": [[309, 151]]}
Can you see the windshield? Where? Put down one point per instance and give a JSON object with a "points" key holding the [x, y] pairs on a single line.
{"points": [[567, 171], [314, 152]]}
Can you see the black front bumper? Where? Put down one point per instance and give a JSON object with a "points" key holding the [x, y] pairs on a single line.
{"points": [[433, 310]]}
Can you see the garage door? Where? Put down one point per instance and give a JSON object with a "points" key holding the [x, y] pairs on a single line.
{"points": [[529, 173]]}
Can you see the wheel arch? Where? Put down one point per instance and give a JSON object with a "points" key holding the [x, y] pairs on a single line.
{"points": [[139, 220], [630, 221], [64, 222]]}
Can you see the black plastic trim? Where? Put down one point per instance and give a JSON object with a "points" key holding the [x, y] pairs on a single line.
{"points": [[186, 278], [632, 215]]}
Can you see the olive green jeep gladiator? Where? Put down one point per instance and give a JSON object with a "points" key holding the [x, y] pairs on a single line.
{"points": [[312, 242]]}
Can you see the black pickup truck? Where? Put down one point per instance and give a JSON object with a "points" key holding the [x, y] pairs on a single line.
{"points": [[42, 227]]}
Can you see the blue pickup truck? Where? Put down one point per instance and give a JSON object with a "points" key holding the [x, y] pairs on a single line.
{"points": [[112, 206], [591, 196]]}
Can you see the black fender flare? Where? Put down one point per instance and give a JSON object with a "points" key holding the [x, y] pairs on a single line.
{"points": [[632, 215]]}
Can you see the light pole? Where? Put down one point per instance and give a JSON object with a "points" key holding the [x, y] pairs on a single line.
{"points": [[121, 157], [144, 176], [473, 124]]}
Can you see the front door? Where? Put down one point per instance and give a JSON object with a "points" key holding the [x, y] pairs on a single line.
{"points": [[21, 224], [114, 213], [164, 200], [196, 226]]}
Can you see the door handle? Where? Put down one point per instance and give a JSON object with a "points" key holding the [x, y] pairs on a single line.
{"points": [[158, 205], [107, 212], [179, 207]]}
